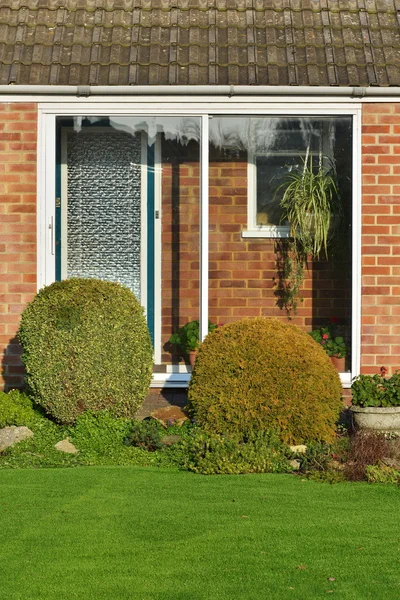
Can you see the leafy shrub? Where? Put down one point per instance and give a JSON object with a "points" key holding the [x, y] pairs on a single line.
{"points": [[262, 374], [382, 474], [215, 454], [86, 346], [15, 409], [146, 434], [317, 457], [366, 449]]}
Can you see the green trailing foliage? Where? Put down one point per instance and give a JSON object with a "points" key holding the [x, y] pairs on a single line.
{"points": [[312, 206], [263, 374], [16, 409], [86, 346], [216, 454]]}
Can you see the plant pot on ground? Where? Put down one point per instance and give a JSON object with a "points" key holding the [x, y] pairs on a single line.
{"points": [[187, 338], [376, 402]]}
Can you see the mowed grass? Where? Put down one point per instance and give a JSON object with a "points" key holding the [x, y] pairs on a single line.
{"points": [[146, 533]]}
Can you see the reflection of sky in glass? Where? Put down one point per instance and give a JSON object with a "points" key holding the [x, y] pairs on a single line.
{"points": [[251, 134]]}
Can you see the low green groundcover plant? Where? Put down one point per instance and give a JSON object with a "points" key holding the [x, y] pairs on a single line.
{"points": [[102, 439], [99, 438], [382, 474], [217, 454]]}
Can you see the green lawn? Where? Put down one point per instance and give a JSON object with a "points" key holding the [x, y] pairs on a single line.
{"points": [[153, 534]]}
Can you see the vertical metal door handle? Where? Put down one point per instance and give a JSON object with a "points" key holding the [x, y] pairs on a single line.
{"points": [[51, 227]]}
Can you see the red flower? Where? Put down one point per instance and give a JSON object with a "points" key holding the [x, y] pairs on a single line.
{"points": [[383, 371], [333, 320], [325, 336]]}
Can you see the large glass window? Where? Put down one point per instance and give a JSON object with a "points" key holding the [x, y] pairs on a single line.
{"points": [[252, 160], [129, 190]]}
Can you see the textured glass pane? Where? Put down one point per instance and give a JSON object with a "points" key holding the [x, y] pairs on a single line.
{"points": [[104, 205]]}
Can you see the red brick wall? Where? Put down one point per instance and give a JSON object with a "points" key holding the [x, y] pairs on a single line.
{"points": [[380, 237], [18, 137]]}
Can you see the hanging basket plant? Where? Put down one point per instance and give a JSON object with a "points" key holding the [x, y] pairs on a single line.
{"points": [[311, 205]]}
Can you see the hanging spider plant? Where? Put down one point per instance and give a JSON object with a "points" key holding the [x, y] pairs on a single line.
{"points": [[310, 200], [311, 205]]}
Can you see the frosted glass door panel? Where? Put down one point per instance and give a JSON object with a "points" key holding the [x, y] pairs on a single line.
{"points": [[101, 214]]}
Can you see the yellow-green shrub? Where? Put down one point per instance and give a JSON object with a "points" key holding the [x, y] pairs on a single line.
{"points": [[86, 346], [263, 374], [15, 409]]}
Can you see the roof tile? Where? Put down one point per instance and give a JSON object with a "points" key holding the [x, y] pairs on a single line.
{"points": [[178, 42]]}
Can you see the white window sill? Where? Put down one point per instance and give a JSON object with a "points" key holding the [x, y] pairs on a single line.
{"points": [[266, 232], [181, 380], [345, 378]]}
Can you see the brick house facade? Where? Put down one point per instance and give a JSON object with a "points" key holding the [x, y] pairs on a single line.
{"points": [[242, 271]]}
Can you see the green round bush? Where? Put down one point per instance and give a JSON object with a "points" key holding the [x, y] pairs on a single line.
{"points": [[263, 374], [86, 346]]}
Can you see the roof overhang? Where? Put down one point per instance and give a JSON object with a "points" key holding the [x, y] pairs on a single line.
{"points": [[199, 90]]}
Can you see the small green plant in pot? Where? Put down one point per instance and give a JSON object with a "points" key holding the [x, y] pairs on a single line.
{"points": [[333, 344], [376, 402], [187, 338]]}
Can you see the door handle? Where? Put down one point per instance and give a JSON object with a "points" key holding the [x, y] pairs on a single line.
{"points": [[51, 228]]}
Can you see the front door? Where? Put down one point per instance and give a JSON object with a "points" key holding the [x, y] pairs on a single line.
{"points": [[105, 209]]}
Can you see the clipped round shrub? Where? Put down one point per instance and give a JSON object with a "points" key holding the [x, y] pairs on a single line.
{"points": [[263, 374], [86, 346]]}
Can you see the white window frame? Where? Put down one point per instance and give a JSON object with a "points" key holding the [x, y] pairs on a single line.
{"points": [[253, 229], [202, 106]]}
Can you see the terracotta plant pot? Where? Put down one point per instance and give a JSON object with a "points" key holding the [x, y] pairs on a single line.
{"points": [[192, 357], [339, 363]]}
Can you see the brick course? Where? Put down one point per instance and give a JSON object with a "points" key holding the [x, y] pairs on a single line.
{"points": [[380, 237], [18, 135]]}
